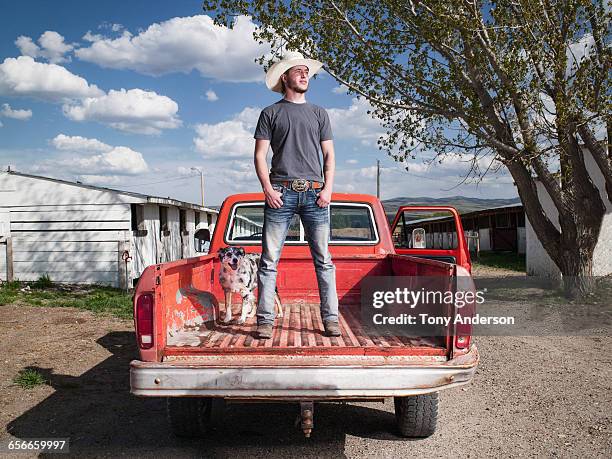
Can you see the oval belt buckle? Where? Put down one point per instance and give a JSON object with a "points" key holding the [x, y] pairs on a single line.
{"points": [[299, 185]]}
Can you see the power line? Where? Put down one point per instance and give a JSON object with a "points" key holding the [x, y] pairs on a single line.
{"points": [[171, 179]]}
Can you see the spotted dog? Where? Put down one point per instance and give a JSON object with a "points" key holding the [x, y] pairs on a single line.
{"points": [[239, 274]]}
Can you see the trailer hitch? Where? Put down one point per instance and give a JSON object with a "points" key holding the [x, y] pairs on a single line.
{"points": [[306, 419]]}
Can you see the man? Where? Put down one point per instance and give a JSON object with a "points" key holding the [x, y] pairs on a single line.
{"points": [[296, 130]]}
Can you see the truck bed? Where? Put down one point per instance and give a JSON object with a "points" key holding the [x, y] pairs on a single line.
{"points": [[299, 331]]}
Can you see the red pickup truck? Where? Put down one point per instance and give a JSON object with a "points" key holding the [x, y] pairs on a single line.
{"points": [[200, 364]]}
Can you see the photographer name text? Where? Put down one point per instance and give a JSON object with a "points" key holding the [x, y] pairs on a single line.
{"points": [[427, 319]]}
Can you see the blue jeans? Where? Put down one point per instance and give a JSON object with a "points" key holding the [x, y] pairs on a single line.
{"points": [[316, 227]]}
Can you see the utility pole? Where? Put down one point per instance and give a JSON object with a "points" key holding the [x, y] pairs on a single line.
{"points": [[378, 178], [197, 169]]}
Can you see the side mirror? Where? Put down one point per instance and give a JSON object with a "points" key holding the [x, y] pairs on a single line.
{"points": [[418, 238], [202, 234], [202, 240]]}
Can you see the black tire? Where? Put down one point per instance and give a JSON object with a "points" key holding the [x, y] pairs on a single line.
{"points": [[192, 416], [416, 416]]}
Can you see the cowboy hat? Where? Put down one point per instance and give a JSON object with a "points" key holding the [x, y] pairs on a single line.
{"points": [[290, 59]]}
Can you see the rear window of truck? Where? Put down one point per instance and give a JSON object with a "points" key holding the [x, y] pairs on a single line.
{"points": [[351, 223]]}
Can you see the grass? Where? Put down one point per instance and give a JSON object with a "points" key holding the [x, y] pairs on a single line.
{"points": [[43, 281], [95, 298], [504, 260], [29, 379]]}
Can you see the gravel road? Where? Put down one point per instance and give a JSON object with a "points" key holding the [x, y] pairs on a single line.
{"points": [[532, 396]]}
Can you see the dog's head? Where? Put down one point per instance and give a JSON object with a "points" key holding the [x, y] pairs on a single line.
{"points": [[231, 256]]}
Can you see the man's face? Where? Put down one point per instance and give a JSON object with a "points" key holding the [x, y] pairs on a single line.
{"points": [[296, 78]]}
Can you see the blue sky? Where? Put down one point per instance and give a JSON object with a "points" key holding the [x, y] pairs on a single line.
{"points": [[132, 95]]}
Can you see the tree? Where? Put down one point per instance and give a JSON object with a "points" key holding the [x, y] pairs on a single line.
{"points": [[519, 83]]}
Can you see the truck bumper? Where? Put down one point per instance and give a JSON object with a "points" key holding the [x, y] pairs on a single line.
{"points": [[155, 379]]}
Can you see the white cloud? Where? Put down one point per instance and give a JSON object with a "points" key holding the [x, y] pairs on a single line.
{"points": [[78, 143], [221, 178], [183, 44], [450, 167], [368, 172], [90, 37], [239, 171], [119, 160], [340, 89], [52, 47], [359, 180], [234, 176], [91, 157], [16, 114], [134, 110], [351, 161], [22, 76], [249, 116], [233, 138], [211, 96], [182, 170], [27, 47], [115, 27], [437, 180], [355, 123]]}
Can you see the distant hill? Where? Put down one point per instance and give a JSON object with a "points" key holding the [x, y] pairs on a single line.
{"points": [[461, 203]]}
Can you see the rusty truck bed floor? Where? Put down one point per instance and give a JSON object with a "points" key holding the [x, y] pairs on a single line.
{"points": [[299, 331]]}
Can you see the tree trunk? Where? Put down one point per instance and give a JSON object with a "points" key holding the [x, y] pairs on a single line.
{"points": [[577, 271], [571, 248], [579, 236]]}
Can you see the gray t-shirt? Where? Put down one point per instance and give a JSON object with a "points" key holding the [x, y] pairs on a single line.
{"points": [[295, 132]]}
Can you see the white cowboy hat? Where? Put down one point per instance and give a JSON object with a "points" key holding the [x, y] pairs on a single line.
{"points": [[290, 59]]}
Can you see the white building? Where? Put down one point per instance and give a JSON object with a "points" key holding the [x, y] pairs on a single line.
{"points": [[539, 263], [78, 233]]}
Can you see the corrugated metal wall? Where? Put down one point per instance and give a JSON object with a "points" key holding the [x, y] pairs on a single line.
{"points": [[77, 234], [70, 243]]}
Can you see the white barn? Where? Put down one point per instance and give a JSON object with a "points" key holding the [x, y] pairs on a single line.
{"points": [[539, 262], [77, 233]]}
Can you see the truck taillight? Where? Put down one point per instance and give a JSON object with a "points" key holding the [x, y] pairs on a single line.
{"points": [[462, 342], [144, 321], [466, 309]]}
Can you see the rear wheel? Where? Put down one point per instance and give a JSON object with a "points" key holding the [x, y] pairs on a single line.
{"points": [[193, 416], [416, 416]]}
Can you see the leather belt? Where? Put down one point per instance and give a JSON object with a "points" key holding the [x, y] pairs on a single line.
{"points": [[300, 184]]}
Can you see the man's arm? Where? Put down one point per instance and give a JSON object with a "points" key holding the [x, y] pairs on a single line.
{"points": [[273, 197], [329, 169]]}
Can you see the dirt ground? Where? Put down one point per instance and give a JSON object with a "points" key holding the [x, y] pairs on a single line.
{"points": [[531, 396]]}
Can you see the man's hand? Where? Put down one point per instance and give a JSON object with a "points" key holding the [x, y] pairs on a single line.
{"points": [[273, 198], [324, 197]]}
